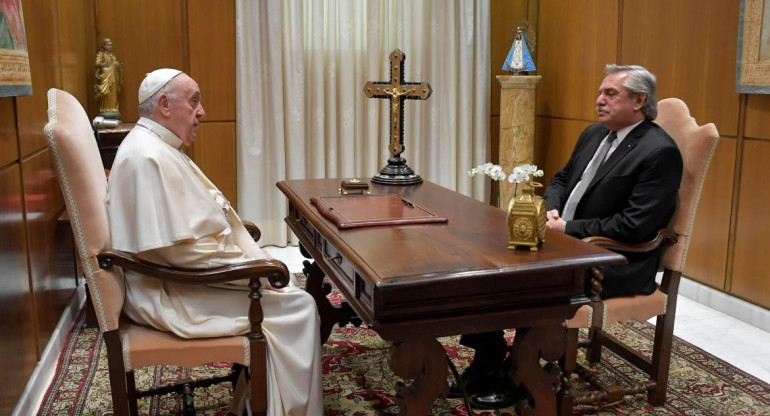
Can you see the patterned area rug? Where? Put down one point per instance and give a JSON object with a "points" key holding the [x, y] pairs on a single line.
{"points": [[359, 382]]}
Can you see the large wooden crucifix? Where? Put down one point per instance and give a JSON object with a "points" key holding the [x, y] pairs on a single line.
{"points": [[397, 172]]}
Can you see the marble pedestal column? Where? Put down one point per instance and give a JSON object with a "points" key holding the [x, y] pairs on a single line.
{"points": [[517, 126]]}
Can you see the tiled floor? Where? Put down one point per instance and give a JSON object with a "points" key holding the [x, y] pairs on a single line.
{"points": [[734, 341], [742, 345]]}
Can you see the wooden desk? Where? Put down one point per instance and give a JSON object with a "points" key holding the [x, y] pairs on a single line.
{"points": [[414, 283]]}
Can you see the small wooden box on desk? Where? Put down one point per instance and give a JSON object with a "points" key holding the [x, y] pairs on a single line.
{"points": [[109, 140]]}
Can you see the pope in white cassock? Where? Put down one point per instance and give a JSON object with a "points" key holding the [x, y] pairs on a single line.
{"points": [[164, 209]]}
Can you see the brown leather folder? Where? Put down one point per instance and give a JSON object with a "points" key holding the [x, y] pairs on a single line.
{"points": [[351, 211]]}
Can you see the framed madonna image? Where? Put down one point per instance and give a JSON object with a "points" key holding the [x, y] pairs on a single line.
{"points": [[15, 78], [753, 69]]}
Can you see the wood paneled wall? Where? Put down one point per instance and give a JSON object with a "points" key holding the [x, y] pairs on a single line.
{"points": [[212, 64], [689, 44], [195, 36], [37, 262], [693, 61], [17, 321]]}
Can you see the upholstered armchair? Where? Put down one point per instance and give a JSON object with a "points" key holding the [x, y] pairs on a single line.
{"points": [[131, 346], [697, 145]]}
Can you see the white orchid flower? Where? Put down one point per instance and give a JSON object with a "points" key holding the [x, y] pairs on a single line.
{"points": [[520, 173]]}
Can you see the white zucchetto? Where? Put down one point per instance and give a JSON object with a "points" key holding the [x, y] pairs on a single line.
{"points": [[154, 81]]}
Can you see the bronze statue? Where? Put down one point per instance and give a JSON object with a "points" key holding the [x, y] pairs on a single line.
{"points": [[109, 77]]}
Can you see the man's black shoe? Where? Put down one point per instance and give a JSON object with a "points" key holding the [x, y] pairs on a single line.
{"points": [[503, 395], [492, 400], [474, 381]]}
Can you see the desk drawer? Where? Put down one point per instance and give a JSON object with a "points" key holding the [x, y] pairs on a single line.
{"points": [[305, 228], [347, 276], [354, 285]]}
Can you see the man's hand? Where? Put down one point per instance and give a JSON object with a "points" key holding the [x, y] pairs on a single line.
{"points": [[555, 222]]}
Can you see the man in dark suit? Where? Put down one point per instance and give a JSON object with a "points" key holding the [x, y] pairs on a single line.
{"points": [[620, 182]]}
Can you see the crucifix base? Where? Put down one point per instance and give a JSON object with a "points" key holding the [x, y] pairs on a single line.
{"points": [[397, 172]]}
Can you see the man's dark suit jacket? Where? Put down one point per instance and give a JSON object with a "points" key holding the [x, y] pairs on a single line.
{"points": [[632, 196]]}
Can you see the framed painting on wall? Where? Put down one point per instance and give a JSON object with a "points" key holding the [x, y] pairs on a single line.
{"points": [[753, 70], [15, 78]]}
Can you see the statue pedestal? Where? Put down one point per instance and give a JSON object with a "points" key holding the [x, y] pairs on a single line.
{"points": [[517, 127]]}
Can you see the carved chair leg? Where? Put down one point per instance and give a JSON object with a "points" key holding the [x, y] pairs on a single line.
{"points": [[188, 400], [119, 401], [594, 349], [118, 375], [661, 358], [258, 378], [258, 351], [132, 397], [664, 334]]}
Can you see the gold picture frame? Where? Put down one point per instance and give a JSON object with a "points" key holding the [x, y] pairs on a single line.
{"points": [[753, 69], [15, 74]]}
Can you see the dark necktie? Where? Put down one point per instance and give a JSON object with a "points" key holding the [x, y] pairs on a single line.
{"points": [[588, 175]]}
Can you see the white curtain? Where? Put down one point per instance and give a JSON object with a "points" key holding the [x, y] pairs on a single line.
{"points": [[302, 112]]}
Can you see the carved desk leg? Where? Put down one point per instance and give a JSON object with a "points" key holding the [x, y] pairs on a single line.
{"points": [[541, 383], [422, 360], [330, 314]]}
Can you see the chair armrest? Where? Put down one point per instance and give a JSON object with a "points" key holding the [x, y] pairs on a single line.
{"points": [[253, 230], [664, 236], [274, 270]]}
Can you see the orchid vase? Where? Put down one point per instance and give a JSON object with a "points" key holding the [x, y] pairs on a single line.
{"points": [[526, 218]]}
